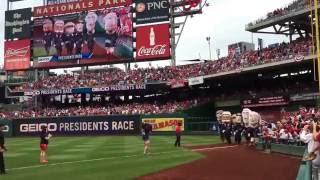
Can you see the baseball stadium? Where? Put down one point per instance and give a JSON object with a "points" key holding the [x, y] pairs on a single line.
{"points": [[159, 90]]}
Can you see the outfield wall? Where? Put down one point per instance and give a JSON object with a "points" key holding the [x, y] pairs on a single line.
{"points": [[106, 125]]}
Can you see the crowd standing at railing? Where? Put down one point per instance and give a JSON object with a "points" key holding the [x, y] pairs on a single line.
{"points": [[293, 7], [115, 76]]}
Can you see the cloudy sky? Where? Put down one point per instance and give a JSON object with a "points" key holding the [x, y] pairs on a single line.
{"points": [[224, 21]]}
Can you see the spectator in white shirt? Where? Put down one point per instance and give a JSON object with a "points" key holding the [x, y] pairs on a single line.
{"points": [[307, 137]]}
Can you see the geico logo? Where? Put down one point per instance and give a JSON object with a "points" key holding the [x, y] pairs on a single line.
{"points": [[37, 127], [157, 5], [6, 128]]}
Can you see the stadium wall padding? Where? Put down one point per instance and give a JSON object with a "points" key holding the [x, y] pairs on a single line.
{"points": [[8, 127], [101, 125]]}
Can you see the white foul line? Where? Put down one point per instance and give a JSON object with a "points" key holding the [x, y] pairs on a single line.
{"points": [[213, 148], [88, 160]]}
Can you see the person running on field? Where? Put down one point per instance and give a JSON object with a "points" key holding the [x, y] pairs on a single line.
{"points": [[44, 141], [146, 129]]}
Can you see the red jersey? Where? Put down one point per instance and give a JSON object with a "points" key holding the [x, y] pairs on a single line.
{"points": [[178, 129]]}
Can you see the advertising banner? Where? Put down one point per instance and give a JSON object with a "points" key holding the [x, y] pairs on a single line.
{"points": [[153, 42], [77, 6], [7, 127], [305, 97], [150, 11], [129, 87], [51, 2], [195, 81], [164, 124], [17, 24], [94, 37], [68, 126], [176, 83], [17, 55], [266, 101]]}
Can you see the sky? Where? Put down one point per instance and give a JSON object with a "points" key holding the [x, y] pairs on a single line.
{"points": [[224, 21]]}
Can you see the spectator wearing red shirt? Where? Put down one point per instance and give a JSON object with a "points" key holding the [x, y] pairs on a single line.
{"points": [[178, 135]]}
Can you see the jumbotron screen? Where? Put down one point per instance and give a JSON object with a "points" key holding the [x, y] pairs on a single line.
{"points": [[86, 38]]}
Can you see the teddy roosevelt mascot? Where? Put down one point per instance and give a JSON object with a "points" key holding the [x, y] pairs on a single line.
{"points": [[222, 126], [47, 28], [226, 120], [58, 36], [90, 20]]}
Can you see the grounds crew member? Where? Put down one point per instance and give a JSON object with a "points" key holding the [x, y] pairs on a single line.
{"points": [[2, 150]]}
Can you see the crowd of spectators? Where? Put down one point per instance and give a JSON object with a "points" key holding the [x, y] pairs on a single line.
{"points": [[111, 109], [288, 130], [115, 76], [293, 7]]}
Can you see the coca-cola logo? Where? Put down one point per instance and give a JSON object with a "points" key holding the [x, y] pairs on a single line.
{"points": [[152, 51], [17, 52]]}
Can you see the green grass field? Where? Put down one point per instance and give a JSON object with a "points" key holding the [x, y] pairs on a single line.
{"points": [[97, 158]]}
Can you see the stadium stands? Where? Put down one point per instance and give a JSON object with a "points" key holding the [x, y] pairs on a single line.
{"points": [[293, 7], [111, 109], [116, 76]]}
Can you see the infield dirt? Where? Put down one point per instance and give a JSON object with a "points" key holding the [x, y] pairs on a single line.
{"points": [[222, 162]]}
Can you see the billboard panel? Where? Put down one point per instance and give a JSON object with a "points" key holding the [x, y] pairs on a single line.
{"points": [[150, 11], [265, 102], [17, 23], [164, 124], [70, 126], [17, 55], [153, 42], [94, 37], [77, 6], [195, 81]]}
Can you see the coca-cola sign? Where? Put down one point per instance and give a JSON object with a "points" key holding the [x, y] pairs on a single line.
{"points": [[156, 50], [153, 42], [17, 55]]}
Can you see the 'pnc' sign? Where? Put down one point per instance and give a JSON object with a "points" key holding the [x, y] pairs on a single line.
{"points": [[150, 11]]}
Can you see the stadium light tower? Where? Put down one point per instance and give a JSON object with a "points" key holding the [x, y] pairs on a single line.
{"points": [[209, 43]]}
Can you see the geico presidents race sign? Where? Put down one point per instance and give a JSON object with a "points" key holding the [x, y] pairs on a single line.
{"points": [[164, 124], [94, 125], [17, 55], [153, 42], [150, 11], [77, 6]]}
